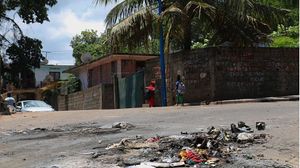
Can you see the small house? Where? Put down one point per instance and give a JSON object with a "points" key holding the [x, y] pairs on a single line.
{"points": [[50, 73], [102, 70]]}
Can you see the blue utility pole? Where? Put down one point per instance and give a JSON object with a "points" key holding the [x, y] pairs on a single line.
{"points": [[162, 60]]}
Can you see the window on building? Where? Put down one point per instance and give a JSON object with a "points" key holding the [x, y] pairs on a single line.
{"points": [[55, 75]]}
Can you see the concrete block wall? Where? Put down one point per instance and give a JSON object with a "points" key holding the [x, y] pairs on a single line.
{"points": [[152, 72], [97, 97], [197, 74], [61, 101], [75, 101], [256, 72], [92, 98], [229, 73], [193, 67]]}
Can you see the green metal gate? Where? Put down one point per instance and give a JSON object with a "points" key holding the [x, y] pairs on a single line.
{"points": [[131, 90]]}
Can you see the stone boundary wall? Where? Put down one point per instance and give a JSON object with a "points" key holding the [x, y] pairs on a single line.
{"points": [[259, 72], [229, 73], [96, 97], [62, 103]]}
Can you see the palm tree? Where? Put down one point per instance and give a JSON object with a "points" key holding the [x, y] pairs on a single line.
{"points": [[238, 22]]}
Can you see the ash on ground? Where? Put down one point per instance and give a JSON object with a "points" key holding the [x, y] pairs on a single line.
{"points": [[218, 147]]}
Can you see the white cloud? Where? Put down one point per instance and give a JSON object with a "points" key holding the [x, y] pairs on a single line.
{"points": [[67, 24], [66, 20], [61, 62], [88, 13]]}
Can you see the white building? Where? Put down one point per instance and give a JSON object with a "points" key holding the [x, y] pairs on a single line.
{"points": [[53, 71]]}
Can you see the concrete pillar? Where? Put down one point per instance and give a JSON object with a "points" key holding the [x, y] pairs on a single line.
{"points": [[119, 68]]}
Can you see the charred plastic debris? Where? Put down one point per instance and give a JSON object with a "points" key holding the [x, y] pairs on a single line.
{"points": [[217, 146]]}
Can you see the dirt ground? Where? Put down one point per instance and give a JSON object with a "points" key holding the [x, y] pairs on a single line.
{"points": [[68, 138]]}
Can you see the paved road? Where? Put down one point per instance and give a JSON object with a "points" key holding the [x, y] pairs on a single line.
{"points": [[282, 119]]}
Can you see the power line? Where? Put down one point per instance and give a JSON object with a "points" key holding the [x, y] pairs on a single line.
{"points": [[61, 51], [56, 52]]}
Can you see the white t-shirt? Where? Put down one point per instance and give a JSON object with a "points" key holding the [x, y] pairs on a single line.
{"points": [[10, 101]]}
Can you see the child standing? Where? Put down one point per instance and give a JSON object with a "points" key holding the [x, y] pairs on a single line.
{"points": [[180, 89]]}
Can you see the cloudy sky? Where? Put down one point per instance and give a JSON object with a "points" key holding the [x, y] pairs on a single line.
{"points": [[67, 18]]}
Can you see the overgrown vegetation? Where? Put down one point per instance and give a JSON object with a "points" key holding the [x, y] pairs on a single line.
{"points": [[72, 85], [286, 37], [198, 23], [89, 41], [287, 34]]}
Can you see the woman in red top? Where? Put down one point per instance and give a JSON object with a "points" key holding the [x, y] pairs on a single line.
{"points": [[151, 90]]}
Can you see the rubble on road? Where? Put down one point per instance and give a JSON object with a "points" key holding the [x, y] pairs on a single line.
{"points": [[78, 129], [133, 144], [215, 147], [245, 137], [260, 126], [122, 125]]}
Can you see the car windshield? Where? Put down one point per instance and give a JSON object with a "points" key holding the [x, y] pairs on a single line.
{"points": [[35, 103]]}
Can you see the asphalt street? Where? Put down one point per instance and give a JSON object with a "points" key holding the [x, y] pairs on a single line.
{"points": [[282, 120]]}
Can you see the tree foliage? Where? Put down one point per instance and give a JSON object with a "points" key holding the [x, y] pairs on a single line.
{"points": [[89, 42], [285, 37], [29, 11], [287, 34], [19, 51], [73, 84], [27, 51], [236, 22]]}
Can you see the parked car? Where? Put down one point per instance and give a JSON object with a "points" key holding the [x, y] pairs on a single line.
{"points": [[33, 106]]}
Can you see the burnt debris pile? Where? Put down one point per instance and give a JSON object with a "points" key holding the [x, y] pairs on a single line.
{"points": [[216, 146]]}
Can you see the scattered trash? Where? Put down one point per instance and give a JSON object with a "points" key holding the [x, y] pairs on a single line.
{"points": [[140, 166], [153, 139], [260, 155], [248, 156], [139, 137], [260, 125], [213, 160], [234, 129], [210, 149], [192, 157], [39, 129], [122, 125], [245, 137], [157, 164], [242, 127], [132, 144]]}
